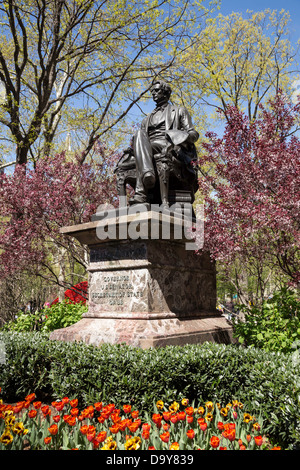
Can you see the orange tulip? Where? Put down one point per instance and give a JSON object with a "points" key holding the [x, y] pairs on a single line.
{"points": [[96, 444], [71, 420], [214, 442], [46, 410], [133, 427], [84, 429], [146, 434], [32, 413], [230, 434], [91, 433], [98, 406], [190, 433], [167, 415], [110, 407], [30, 397], [127, 408], [165, 436], [181, 415], [58, 405], [101, 436], [189, 410], [115, 417], [156, 418], [203, 426], [115, 428], [19, 406], [53, 429]]}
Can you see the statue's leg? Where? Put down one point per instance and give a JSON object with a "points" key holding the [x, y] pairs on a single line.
{"points": [[145, 176], [163, 175], [121, 184]]}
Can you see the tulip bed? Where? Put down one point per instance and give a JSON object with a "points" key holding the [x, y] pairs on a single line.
{"points": [[178, 426], [266, 383]]}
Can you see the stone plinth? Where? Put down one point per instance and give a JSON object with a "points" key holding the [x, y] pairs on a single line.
{"points": [[146, 290]]}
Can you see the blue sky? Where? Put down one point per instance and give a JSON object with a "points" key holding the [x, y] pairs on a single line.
{"points": [[292, 6]]}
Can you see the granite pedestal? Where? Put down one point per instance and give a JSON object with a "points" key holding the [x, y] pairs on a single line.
{"points": [[146, 291]]}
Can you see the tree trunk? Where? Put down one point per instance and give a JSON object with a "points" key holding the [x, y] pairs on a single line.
{"points": [[22, 152]]}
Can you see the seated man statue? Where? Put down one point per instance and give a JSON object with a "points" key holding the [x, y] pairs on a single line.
{"points": [[167, 134]]}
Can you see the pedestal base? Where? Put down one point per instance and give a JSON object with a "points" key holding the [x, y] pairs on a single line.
{"points": [[146, 333]]}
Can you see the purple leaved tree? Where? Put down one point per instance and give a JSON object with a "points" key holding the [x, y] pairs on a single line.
{"points": [[252, 193], [36, 203]]}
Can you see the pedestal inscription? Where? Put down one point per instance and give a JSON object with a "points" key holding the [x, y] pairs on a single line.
{"points": [[115, 290]]}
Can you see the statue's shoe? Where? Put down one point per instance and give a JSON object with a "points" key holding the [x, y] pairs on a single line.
{"points": [[149, 180]]}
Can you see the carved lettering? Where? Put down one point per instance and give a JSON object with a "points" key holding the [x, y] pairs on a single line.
{"points": [[114, 289]]}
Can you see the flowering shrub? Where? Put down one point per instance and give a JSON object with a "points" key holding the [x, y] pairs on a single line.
{"points": [[105, 427]]}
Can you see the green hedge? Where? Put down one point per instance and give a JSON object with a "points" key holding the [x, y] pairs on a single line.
{"points": [[267, 383]]}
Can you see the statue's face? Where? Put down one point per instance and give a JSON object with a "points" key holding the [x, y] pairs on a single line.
{"points": [[158, 93]]}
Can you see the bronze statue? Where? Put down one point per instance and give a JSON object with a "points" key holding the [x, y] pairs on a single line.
{"points": [[162, 159]]}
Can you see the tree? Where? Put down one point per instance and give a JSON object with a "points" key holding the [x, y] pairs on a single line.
{"points": [[238, 62], [253, 202], [35, 204], [94, 58]]}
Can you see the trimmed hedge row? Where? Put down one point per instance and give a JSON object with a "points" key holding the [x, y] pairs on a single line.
{"points": [[267, 383]]}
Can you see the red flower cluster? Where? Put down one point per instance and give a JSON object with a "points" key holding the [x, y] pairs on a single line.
{"points": [[76, 294]]}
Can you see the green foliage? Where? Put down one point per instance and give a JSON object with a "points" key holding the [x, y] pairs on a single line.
{"points": [[266, 382], [24, 322], [62, 314], [59, 315], [26, 365], [273, 327]]}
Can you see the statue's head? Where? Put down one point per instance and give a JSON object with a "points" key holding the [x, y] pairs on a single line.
{"points": [[160, 90]]}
